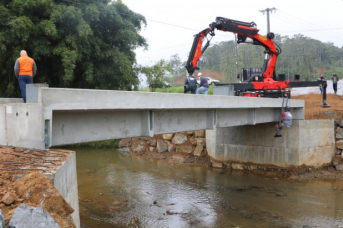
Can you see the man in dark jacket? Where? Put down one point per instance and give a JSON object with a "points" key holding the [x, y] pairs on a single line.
{"points": [[190, 84], [335, 79]]}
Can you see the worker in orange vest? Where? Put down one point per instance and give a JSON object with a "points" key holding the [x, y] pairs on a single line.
{"points": [[24, 69]]}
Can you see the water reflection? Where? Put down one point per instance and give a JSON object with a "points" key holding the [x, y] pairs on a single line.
{"points": [[122, 191]]}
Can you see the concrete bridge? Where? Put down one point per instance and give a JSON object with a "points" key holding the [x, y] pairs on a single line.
{"points": [[56, 116]]}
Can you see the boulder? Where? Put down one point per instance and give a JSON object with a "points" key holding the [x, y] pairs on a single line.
{"points": [[217, 164], [199, 134], [168, 137], [152, 142], [339, 144], [201, 141], [337, 160], [125, 142], [161, 146], [138, 146], [124, 150], [9, 198], [179, 138], [193, 141], [2, 220], [237, 166], [199, 150], [339, 167], [339, 134], [26, 216], [171, 147]]}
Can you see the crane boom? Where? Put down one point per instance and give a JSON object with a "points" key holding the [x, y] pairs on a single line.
{"points": [[246, 33]]}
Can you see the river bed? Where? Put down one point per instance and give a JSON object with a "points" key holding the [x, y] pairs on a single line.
{"points": [[118, 191]]}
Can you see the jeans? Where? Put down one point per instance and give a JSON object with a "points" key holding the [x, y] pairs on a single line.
{"points": [[203, 90], [192, 89], [23, 80], [334, 87]]}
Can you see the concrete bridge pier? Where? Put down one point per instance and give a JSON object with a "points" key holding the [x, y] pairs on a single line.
{"points": [[308, 142]]}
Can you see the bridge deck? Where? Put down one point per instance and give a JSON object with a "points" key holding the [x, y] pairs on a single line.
{"points": [[68, 116]]}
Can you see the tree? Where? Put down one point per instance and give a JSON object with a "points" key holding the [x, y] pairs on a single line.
{"points": [[175, 64], [156, 73], [80, 44]]}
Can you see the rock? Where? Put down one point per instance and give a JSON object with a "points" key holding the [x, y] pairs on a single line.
{"points": [[151, 148], [339, 144], [179, 138], [9, 198], [184, 149], [125, 142], [168, 137], [161, 146], [124, 150], [152, 142], [26, 216], [339, 134], [138, 146], [199, 150], [199, 134], [171, 147], [2, 220], [217, 164], [339, 167], [190, 132], [201, 141], [237, 166], [251, 167], [193, 141], [339, 152]]}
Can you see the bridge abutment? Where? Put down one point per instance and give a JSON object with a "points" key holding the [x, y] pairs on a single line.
{"points": [[308, 142]]}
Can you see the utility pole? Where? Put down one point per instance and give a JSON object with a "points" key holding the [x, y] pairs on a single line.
{"points": [[267, 11]]}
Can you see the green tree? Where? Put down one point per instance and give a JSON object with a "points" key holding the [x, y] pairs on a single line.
{"points": [[156, 74], [79, 44]]}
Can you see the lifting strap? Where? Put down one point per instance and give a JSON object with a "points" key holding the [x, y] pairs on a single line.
{"points": [[284, 104]]}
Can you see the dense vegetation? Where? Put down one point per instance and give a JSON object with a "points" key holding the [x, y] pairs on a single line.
{"points": [[300, 55], [78, 44]]}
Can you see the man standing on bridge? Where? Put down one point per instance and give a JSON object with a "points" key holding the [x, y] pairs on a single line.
{"points": [[286, 121], [24, 69], [335, 79]]}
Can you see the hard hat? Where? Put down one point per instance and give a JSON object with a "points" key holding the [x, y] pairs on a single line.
{"points": [[199, 74], [288, 108]]}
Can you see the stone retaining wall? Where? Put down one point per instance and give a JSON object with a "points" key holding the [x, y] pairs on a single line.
{"points": [[191, 142]]}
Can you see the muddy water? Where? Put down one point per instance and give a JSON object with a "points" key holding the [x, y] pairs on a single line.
{"points": [[122, 191]]}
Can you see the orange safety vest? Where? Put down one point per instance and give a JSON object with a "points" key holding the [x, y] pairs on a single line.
{"points": [[26, 65]]}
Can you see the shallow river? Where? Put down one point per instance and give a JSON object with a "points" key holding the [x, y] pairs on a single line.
{"points": [[122, 191]]}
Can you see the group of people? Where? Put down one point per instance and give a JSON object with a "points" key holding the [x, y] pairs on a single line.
{"points": [[191, 84], [322, 82]]}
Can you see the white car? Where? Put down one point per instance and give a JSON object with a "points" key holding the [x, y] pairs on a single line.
{"points": [[210, 80]]}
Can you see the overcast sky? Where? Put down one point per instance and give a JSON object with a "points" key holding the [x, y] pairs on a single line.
{"points": [[171, 24]]}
